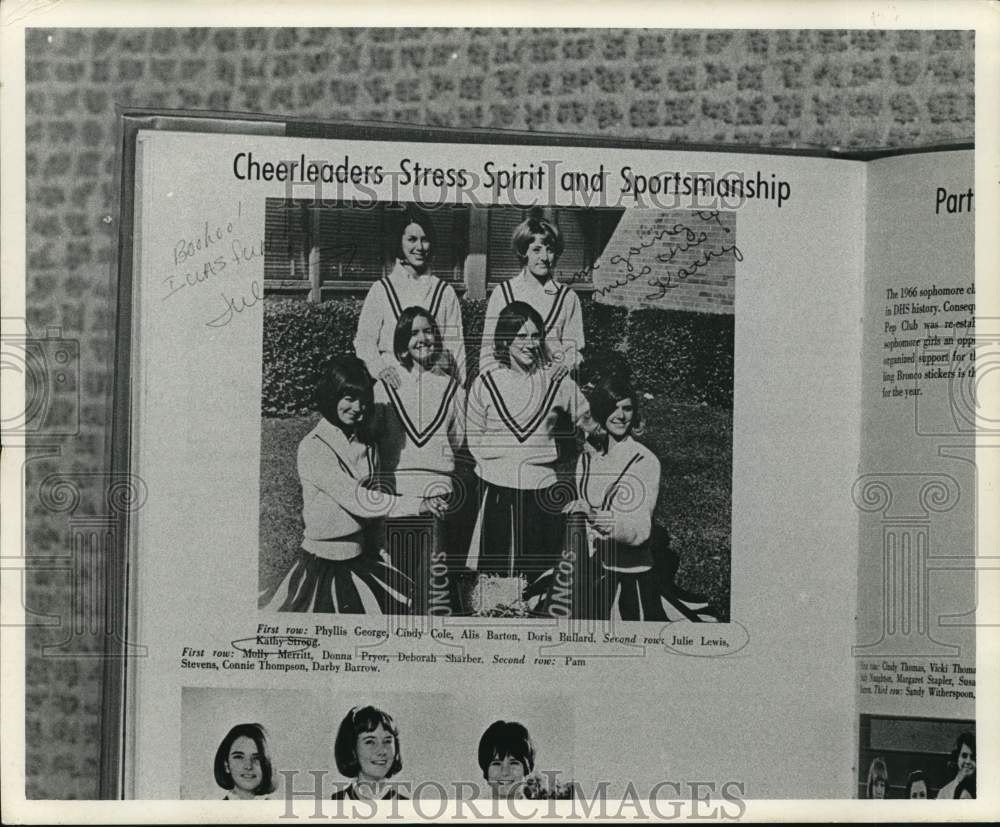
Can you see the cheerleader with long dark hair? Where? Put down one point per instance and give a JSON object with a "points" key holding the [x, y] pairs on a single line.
{"points": [[339, 567], [618, 485]]}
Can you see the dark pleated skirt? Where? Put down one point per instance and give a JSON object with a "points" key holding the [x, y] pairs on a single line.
{"points": [[368, 584], [586, 585]]}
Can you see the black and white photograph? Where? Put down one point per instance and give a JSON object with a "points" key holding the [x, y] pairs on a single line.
{"points": [[916, 758], [239, 744], [410, 413], [506, 456]]}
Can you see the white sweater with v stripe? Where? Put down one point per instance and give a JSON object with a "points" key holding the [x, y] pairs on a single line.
{"points": [[421, 424], [511, 423], [387, 299]]}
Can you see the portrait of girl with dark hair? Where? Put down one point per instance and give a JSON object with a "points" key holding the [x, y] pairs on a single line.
{"points": [[243, 766], [367, 750]]}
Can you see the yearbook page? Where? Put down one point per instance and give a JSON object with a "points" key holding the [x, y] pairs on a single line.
{"points": [[917, 572], [499, 470]]}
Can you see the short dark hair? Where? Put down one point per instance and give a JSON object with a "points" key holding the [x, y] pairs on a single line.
{"points": [[359, 720], [606, 395], [877, 771], [257, 734], [344, 376], [504, 739], [536, 224], [511, 319], [915, 777], [410, 214], [404, 329]]}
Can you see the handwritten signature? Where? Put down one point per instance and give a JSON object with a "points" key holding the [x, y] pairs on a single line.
{"points": [[236, 305], [686, 239]]}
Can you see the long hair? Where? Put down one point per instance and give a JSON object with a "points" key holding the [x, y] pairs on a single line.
{"points": [[511, 319], [877, 771], [257, 734], [404, 329], [345, 376], [504, 739], [359, 720], [536, 224]]}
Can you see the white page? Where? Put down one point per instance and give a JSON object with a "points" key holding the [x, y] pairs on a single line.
{"points": [[917, 582], [788, 692]]}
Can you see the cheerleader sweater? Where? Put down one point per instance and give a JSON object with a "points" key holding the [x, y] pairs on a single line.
{"points": [[622, 486], [557, 304], [385, 302], [337, 503], [511, 422], [421, 424]]}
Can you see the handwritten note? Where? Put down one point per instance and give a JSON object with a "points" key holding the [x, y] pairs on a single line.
{"points": [[664, 250]]}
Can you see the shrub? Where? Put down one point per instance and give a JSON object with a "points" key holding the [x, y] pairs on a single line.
{"points": [[688, 356], [300, 339]]}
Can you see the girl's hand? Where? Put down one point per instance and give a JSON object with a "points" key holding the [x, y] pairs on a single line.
{"points": [[390, 376], [435, 506]]}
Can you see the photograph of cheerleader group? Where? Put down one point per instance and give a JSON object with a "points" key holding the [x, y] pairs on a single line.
{"points": [[521, 483], [385, 747], [917, 758]]}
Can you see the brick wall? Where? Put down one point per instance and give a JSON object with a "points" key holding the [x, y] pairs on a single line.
{"points": [[672, 259], [761, 87]]}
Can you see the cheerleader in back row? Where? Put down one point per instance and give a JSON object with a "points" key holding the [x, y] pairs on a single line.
{"points": [[538, 245], [409, 284], [516, 415], [618, 484], [421, 426], [339, 567]]}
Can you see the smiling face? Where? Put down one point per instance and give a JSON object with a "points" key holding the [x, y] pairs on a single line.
{"points": [[416, 247], [966, 760], [422, 346], [376, 751], [350, 411], [243, 764], [504, 775], [619, 424], [526, 347], [540, 258]]}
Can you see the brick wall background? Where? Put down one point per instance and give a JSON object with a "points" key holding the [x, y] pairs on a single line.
{"points": [[671, 259], [823, 88]]}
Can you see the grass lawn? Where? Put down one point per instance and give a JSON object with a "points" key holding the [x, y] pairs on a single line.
{"points": [[695, 447]]}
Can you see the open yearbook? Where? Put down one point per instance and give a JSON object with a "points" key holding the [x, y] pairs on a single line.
{"points": [[468, 466]]}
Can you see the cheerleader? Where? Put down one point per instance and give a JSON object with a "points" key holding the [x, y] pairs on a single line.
{"points": [[338, 568], [517, 414], [538, 245], [367, 751], [243, 764], [421, 427], [618, 484], [409, 284]]}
